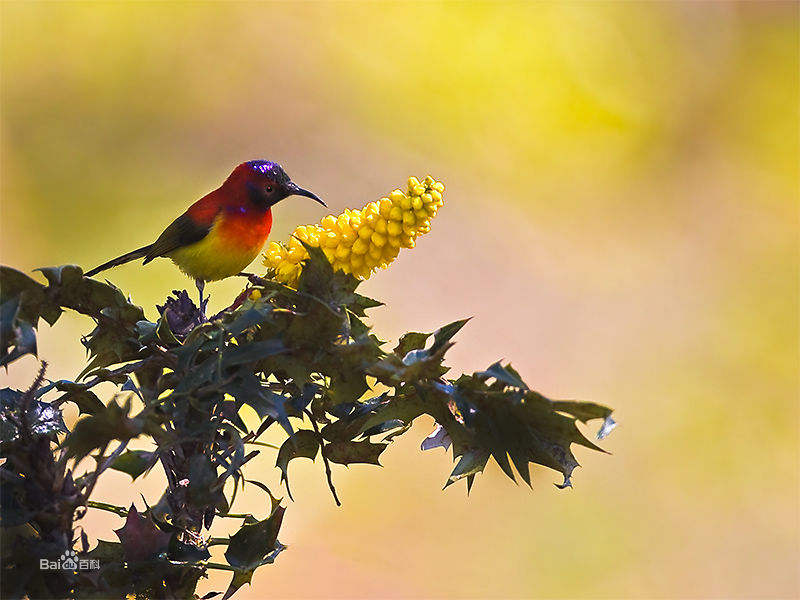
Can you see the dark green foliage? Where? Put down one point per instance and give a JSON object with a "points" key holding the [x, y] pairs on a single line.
{"points": [[304, 360]]}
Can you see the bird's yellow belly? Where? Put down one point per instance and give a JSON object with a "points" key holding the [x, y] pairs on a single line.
{"points": [[212, 259]]}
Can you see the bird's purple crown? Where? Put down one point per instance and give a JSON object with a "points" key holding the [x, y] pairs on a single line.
{"points": [[269, 168]]}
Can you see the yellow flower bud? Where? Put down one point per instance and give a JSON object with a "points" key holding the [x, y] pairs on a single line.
{"points": [[356, 260], [286, 270], [331, 240], [384, 206], [378, 240], [394, 228], [359, 247], [342, 252], [390, 252], [375, 253], [407, 241]]}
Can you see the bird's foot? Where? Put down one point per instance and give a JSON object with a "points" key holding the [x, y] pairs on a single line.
{"points": [[203, 302]]}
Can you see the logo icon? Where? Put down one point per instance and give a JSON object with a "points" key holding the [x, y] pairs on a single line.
{"points": [[69, 561]]}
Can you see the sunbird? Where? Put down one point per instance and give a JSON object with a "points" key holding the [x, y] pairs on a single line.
{"points": [[220, 234]]}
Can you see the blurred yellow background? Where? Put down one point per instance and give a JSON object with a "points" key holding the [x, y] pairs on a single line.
{"points": [[621, 219]]}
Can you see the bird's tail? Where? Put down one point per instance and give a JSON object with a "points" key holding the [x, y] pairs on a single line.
{"points": [[120, 260]]}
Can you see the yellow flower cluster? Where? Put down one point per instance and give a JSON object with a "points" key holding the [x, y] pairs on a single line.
{"points": [[360, 241]]}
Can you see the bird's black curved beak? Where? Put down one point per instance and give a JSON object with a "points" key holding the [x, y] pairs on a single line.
{"points": [[296, 190]]}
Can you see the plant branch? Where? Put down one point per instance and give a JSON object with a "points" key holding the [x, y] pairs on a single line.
{"points": [[119, 510], [328, 473]]}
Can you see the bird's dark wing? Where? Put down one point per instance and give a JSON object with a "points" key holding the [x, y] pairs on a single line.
{"points": [[182, 231]]}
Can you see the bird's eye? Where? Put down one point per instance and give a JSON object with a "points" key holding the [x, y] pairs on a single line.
{"points": [[269, 189]]}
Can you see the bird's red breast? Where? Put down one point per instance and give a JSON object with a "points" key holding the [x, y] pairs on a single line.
{"points": [[233, 217], [238, 230]]}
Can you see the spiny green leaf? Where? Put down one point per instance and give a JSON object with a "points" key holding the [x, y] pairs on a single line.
{"points": [[383, 427], [583, 411], [87, 401], [251, 353], [247, 318], [251, 544], [107, 552], [505, 375], [102, 427], [134, 462], [470, 463], [15, 332], [140, 538], [347, 386], [304, 443], [346, 453], [146, 332], [34, 303], [443, 335], [411, 341], [163, 332], [267, 404], [240, 577], [514, 426]]}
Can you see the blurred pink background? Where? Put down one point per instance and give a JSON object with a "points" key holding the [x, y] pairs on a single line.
{"points": [[620, 219]]}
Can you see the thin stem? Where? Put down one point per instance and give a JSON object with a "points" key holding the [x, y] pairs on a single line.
{"points": [[216, 541], [266, 445], [221, 567], [328, 472], [122, 512], [105, 464]]}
